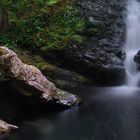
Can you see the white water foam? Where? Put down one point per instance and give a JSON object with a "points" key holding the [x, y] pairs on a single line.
{"points": [[132, 44]]}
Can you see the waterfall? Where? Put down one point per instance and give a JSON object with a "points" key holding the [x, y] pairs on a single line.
{"points": [[132, 44]]}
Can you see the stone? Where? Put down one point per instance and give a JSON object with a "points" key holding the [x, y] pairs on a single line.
{"points": [[63, 78], [137, 59], [101, 56], [6, 128], [30, 81]]}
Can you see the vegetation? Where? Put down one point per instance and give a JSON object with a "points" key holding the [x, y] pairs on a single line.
{"points": [[41, 24]]}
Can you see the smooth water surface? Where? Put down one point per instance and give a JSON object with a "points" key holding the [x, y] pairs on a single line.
{"points": [[106, 114]]}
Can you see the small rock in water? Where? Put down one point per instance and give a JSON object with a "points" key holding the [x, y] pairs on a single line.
{"points": [[67, 99], [6, 128]]}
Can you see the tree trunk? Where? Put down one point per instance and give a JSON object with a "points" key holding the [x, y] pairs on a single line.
{"points": [[4, 21]]}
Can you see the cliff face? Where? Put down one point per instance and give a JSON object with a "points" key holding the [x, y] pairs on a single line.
{"points": [[104, 21], [102, 55]]}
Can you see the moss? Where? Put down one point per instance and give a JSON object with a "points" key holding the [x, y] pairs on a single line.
{"points": [[66, 98], [59, 76], [78, 39]]}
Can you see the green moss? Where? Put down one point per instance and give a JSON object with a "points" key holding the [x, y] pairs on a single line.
{"points": [[60, 77], [52, 2], [79, 39], [67, 98]]}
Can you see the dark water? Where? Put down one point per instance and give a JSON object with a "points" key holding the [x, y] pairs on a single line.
{"points": [[106, 114]]}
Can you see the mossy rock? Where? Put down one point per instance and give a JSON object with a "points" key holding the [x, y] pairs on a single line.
{"points": [[61, 77]]}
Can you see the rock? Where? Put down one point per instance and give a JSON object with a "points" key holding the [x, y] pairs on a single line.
{"points": [[6, 128], [30, 81], [137, 59], [62, 77], [101, 56], [66, 99], [103, 65]]}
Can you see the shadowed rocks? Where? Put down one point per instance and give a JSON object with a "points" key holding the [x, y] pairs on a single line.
{"points": [[29, 79], [101, 56], [30, 82], [6, 128]]}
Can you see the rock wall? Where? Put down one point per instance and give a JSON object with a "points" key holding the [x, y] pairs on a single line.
{"points": [[101, 56]]}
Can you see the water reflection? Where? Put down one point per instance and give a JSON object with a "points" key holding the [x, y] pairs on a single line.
{"points": [[110, 113]]}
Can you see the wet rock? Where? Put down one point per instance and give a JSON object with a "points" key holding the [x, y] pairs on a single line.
{"points": [[102, 53], [29, 80], [100, 63], [137, 59], [62, 77], [67, 99], [6, 128], [101, 56]]}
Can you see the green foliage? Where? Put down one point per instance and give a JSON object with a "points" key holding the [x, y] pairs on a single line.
{"points": [[62, 28], [42, 24], [5, 40], [52, 2], [77, 38]]}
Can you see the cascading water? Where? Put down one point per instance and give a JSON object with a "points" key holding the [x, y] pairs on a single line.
{"points": [[132, 44]]}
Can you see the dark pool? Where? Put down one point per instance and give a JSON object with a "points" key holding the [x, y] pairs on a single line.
{"points": [[106, 114]]}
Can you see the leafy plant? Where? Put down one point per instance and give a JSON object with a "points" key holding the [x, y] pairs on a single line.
{"points": [[41, 24]]}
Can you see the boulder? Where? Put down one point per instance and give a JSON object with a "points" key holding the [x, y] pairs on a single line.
{"points": [[30, 81], [6, 128], [137, 59], [105, 67]]}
